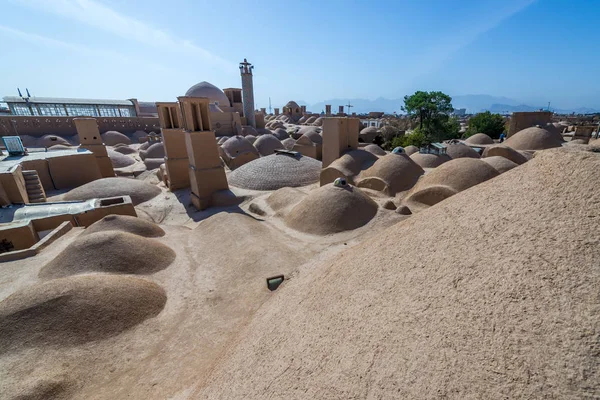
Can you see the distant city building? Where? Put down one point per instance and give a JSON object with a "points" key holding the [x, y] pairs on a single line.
{"points": [[460, 112], [368, 122], [66, 107]]}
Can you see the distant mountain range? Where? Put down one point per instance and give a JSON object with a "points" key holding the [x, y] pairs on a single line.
{"points": [[472, 102]]}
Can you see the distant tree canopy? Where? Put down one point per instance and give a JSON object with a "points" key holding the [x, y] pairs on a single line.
{"points": [[486, 122], [432, 110]]}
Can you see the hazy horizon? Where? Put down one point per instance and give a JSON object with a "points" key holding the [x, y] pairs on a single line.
{"points": [[528, 51]]}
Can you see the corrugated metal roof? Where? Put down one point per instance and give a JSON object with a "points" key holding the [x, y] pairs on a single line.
{"points": [[58, 100]]}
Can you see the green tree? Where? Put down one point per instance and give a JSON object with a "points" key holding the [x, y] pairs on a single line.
{"points": [[427, 107], [432, 110], [486, 122]]}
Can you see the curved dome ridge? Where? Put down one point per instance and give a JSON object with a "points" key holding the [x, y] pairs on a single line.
{"points": [[206, 89]]}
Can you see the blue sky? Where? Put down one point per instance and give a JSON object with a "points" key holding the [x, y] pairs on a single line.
{"points": [[528, 50]]}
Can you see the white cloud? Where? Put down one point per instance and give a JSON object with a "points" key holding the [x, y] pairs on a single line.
{"points": [[101, 17]]}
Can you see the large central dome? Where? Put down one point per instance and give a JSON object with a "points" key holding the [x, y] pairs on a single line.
{"points": [[205, 89]]}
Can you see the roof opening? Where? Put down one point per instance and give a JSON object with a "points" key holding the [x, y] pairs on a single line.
{"points": [[274, 282], [112, 201]]}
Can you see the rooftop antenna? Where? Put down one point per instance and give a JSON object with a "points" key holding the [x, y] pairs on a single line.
{"points": [[270, 108], [23, 97], [349, 106], [548, 106]]}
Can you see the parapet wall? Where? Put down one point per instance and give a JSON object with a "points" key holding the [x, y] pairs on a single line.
{"points": [[523, 120], [11, 125]]}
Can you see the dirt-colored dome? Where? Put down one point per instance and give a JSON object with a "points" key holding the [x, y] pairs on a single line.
{"points": [[425, 160], [139, 191], [125, 150], [213, 93], [391, 174], [237, 145], [125, 223], [119, 160], [373, 148], [155, 150], [411, 149], [534, 138], [267, 144], [500, 163], [459, 150], [293, 105], [51, 140], [249, 130], [288, 143], [281, 134], [331, 209], [368, 134], [76, 310], [112, 138], [448, 179], [506, 152], [479, 138], [276, 171], [348, 166], [110, 251]]}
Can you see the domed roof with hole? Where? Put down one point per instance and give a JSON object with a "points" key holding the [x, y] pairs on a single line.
{"points": [[310, 120], [251, 138], [51, 140], [411, 149], [110, 251], [313, 134], [448, 179], [460, 150], [500, 163], [373, 148], [267, 144], [111, 138], [479, 138], [429, 160], [144, 146], [281, 134], [153, 163], [534, 138], [368, 134], [248, 130], [276, 171], [155, 150], [138, 190], [318, 122], [236, 145], [288, 143], [125, 223], [213, 93], [75, 310], [63, 147], [506, 152], [331, 209], [125, 150], [492, 294], [391, 174], [119, 160]]}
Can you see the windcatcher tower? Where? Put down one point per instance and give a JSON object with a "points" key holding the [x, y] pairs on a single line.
{"points": [[248, 92]]}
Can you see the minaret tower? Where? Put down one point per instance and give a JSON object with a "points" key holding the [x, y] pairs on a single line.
{"points": [[248, 92]]}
